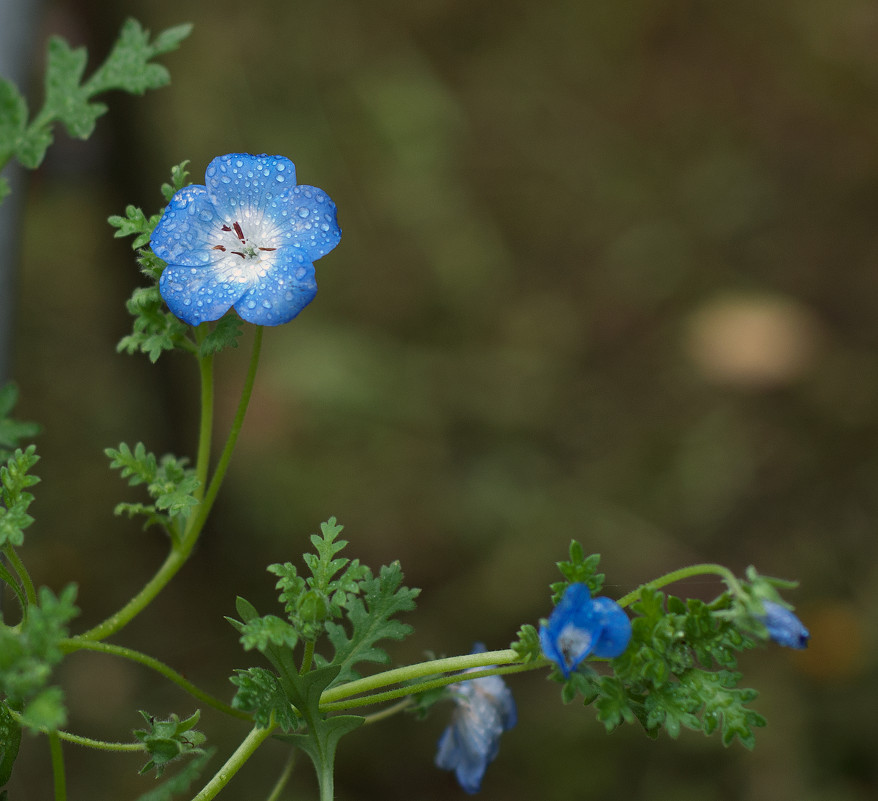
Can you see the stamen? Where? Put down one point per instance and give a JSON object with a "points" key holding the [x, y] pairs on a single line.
{"points": [[225, 228], [266, 248], [219, 247], [240, 233], [238, 253]]}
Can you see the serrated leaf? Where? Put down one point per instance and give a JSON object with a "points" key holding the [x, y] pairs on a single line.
{"points": [[225, 334], [371, 619], [527, 646], [66, 100], [13, 118], [579, 569], [12, 431], [10, 740], [260, 694], [263, 632]]}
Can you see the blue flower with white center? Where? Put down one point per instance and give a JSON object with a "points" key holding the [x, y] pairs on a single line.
{"points": [[484, 709], [580, 626], [783, 626], [248, 238]]}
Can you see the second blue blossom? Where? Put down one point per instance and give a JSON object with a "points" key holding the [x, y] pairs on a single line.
{"points": [[248, 238], [582, 626]]}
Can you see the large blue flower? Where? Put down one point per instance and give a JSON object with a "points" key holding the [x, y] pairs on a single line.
{"points": [[484, 709], [248, 238], [783, 626], [580, 626]]}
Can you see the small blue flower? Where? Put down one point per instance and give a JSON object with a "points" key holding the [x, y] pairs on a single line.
{"points": [[580, 626], [783, 626], [484, 709], [248, 238]]}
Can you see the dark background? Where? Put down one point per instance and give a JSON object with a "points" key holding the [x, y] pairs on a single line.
{"points": [[608, 272]]}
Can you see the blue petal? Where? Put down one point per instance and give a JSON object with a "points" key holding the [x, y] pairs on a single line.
{"points": [[198, 295], [309, 222], [615, 628], [784, 627], [187, 230], [282, 293], [243, 187]]}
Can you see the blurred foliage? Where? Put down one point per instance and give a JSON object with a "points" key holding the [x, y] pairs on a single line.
{"points": [[608, 272]]}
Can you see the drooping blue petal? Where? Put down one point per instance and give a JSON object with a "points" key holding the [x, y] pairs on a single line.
{"points": [[580, 626], [484, 709], [285, 290], [784, 627]]}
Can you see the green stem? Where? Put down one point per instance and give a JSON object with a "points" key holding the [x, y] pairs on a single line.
{"points": [[58, 766], [6, 575], [85, 742], [21, 571], [205, 433], [284, 777], [307, 657], [419, 687], [72, 645], [182, 548], [235, 762], [420, 670], [679, 575]]}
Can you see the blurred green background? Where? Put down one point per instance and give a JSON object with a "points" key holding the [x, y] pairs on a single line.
{"points": [[608, 272]]}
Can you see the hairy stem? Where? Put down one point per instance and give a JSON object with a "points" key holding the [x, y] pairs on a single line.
{"points": [[21, 571], [234, 763], [58, 766], [679, 575], [72, 645]]}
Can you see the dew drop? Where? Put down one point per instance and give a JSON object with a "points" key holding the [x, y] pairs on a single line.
{"points": [[303, 212]]}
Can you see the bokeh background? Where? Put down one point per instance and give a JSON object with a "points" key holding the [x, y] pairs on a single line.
{"points": [[609, 271]]}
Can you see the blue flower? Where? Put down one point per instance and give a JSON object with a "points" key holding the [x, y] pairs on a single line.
{"points": [[484, 709], [783, 626], [580, 626], [248, 238]]}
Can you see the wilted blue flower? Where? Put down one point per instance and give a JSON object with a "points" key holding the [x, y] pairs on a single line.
{"points": [[484, 709], [248, 238], [580, 626], [783, 626]]}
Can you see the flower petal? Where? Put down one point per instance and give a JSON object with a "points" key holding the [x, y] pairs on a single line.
{"points": [[278, 296], [784, 627], [615, 628], [186, 232], [309, 220], [202, 294], [244, 187]]}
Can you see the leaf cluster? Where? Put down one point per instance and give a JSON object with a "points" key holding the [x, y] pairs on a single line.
{"points": [[68, 93], [12, 431], [677, 672], [28, 654], [579, 569], [169, 740], [15, 478], [169, 482]]}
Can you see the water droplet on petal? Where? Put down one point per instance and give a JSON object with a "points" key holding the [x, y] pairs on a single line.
{"points": [[303, 212]]}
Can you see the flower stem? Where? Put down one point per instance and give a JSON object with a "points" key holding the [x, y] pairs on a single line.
{"points": [[205, 432], [21, 571], [182, 547], [77, 644], [58, 766], [284, 777], [234, 763], [421, 670], [6, 575], [679, 575], [85, 742]]}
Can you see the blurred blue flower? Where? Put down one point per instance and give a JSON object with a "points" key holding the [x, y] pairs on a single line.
{"points": [[484, 709], [248, 238], [783, 626], [580, 626]]}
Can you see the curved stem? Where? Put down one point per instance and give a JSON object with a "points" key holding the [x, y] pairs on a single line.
{"points": [[85, 742], [205, 433], [72, 645], [182, 548], [284, 777], [679, 575], [421, 670], [21, 571], [235, 762], [443, 681], [58, 766]]}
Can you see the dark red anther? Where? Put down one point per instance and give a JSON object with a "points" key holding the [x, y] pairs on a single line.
{"points": [[239, 232], [238, 253], [226, 228], [219, 247], [266, 248]]}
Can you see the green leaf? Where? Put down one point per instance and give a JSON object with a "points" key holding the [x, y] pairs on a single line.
{"points": [[15, 479], [225, 334], [371, 619], [580, 569], [263, 632], [12, 431], [527, 646], [13, 119], [10, 740], [260, 693], [67, 101], [155, 330], [128, 68], [179, 179]]}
